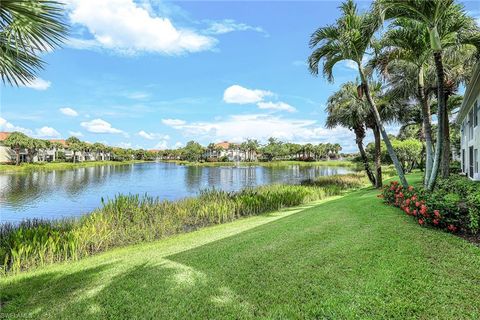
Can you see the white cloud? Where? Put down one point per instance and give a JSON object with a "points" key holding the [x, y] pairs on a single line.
{"points": [[230, 25], [99, 126], [279, 106], [7, 126], [47, 132], [76, 133], [162, 145], [263, 126], [128, 28], [173, 122], [178, 145], [350, 64], [240, 95], [38, 84], [68, 112], [152, 136]]}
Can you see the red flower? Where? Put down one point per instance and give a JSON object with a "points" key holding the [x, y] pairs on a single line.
{"points": [[408, 202], [410, 188], [417, 204], [436, 222], [452, 228], [407, 210], [415, 212], [420, 221], [436, 213]]}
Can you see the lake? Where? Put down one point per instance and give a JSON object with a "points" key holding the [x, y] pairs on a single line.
{"points": [[66, 193]]}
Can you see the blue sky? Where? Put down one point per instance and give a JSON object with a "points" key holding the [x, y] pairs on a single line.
{"points": [[154, 74]]}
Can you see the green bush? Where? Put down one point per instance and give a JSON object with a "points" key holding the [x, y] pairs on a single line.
{"points": [[129, 219], [453, 205]]}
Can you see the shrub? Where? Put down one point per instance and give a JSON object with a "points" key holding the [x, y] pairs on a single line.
{"points": [[129, 219], [454, 205]]}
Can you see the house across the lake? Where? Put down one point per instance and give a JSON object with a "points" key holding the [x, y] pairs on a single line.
{"points": [[468, 118], [59, 146]]}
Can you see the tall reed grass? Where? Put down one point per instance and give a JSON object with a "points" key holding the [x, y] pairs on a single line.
{"points": [[129, 219]]}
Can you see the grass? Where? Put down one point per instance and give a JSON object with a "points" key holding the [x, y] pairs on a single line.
{"points": [[329, 163], [25, 167], [349, 257], [129, 219]]}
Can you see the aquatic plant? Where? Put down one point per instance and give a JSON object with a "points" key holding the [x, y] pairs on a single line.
{"points": [[129, 219]]}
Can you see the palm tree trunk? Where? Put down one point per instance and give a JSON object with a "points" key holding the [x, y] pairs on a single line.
{"points": [[445, 164], [427, 127], [385, 137], [441, 115], [359, 135], [378, 158], [17, 160]]}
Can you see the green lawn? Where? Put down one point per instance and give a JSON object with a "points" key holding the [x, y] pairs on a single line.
{"points": [[347, 257], [25, 167]]}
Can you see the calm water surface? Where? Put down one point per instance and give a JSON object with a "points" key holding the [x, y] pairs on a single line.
{"points": [[64, 193]]}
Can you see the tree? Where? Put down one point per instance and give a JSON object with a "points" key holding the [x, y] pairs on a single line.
{"points": [[404, 61], [346, 109], [33, 146], [193, 151], [448, 26], [349, 39], [75, 145], [27, 29], [99, 148], [17, 140], [56, 146]]}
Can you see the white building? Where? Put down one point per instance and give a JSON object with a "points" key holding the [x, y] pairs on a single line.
{"points": [[468, 119]]}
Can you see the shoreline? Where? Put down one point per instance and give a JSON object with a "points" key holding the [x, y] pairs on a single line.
{"points": [[48, 166], [279, 163]]}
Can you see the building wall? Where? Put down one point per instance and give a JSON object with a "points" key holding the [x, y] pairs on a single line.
{"points": [[470, 141]]}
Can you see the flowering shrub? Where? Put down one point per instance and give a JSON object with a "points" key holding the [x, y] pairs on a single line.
{"points": [[452, 209]]}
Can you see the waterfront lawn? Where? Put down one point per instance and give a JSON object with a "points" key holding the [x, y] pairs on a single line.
{"points": [[25, 167], [347, 257]]}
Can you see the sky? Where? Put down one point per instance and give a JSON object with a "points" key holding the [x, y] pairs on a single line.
{"points": [[156, 74]]}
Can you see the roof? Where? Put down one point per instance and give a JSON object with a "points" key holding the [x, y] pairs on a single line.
{"points": [[226, 145], [61, 141], [4, 135], [471, 93]]}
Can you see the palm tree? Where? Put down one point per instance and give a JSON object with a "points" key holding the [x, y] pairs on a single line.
{"points": [[16, 141], [346, 109], [447, 25], [75, 145], [407, 50], [349, 39], [33, 146], [56, 146], [27, 28]]}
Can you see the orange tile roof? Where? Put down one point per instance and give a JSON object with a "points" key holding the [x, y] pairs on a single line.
{"points": [[4, 135], [224, 145], [61, 141]]}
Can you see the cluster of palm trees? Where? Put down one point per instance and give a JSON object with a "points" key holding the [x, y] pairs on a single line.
{"points": [[406, 73], [34, 147], [253, 150]]}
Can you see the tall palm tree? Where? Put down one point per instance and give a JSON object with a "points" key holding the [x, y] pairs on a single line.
{"points": [[27, 28], [407, 50], [349, 39], [17, 140], [447, 25], [346, 109]]}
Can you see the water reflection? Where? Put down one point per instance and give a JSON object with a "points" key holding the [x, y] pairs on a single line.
{"points": [[54, 194]]}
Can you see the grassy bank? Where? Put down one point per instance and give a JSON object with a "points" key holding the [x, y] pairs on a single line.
{"points": [[349, 257], [330, 163], [26, 167], [132, 219]]}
